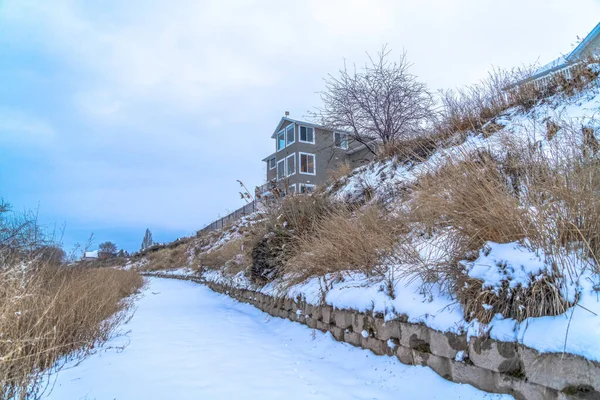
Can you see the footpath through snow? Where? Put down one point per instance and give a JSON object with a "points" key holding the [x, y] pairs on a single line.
{"points": [[187, 342]]}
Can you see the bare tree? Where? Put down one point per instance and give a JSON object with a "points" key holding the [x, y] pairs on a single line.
{"points": [[382, 102], [107, 250]]}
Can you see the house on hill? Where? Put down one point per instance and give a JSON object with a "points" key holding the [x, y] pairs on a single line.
{"points": [[90, 255], [589, 46], [305, 154]]}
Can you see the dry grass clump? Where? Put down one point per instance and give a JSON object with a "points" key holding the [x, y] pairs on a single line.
{"points": [[344, 240], [471, 107], [51, 314], [415, 150], [541, 297], [473, 198], [167, 258], [271, 245], [230, 255], [343, 170], [548, 200], [301, 214], [564, 199]]}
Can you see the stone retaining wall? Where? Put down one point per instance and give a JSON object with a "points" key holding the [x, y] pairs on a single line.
{"points": [[490, 365]]}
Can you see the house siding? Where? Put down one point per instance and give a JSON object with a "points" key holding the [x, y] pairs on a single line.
{"points": [[327, 157]]}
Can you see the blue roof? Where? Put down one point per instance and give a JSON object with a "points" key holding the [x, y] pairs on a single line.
{"points": [[562, 61], [584, 43]]}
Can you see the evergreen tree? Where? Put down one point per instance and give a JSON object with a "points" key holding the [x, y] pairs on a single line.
{"points": [[147, 242]]}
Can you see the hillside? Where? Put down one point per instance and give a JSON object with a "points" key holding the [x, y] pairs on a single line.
{"points": [[489, 229]]}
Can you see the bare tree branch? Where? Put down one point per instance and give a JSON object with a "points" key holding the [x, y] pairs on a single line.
{"points": [[383, 102]]}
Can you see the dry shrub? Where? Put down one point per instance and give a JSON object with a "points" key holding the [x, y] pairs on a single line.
{"points": [[470, 108], [547, 199], [344, 240], [230, 255], [566, 198], [167, 258], [51, 314], [576, 79], [541, 297], [302, 213], [414, 150], [343, 170], [273, 244], [473, 198]]}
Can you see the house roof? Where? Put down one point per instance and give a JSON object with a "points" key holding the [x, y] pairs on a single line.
{"points": [[284, 119], [564, 60], [267, 158], [584, 43], [91, 254]]}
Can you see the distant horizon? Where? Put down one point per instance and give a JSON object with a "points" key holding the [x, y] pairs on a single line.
{"points": [[127, 116]]}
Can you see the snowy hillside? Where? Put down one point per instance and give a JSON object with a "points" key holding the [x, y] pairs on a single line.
{"points": [[556, 133]]}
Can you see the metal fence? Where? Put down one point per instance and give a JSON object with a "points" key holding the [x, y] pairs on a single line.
{"points": [[231, 218]]}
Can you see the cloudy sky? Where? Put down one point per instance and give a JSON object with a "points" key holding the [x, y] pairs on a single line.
{"points": [[121, 115]]}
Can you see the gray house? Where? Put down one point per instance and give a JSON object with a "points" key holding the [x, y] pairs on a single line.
{"points": [[306, 153]]}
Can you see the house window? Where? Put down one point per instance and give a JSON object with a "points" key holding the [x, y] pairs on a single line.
{"points": [[272, 163], [280, 140], [307, 134], [307, 163], [281, 169], [291, 164], [306, 188], [290, 134], [291, 189], [340, 140]]}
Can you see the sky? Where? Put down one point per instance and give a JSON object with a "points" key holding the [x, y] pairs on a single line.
{"points": [[117, 116]]}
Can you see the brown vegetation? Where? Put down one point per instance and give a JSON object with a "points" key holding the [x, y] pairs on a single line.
{"points": [[50, 312], [167, 258], [546, 200]]}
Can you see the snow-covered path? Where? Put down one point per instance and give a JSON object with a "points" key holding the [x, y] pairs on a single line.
{"points": [[187, 342]]}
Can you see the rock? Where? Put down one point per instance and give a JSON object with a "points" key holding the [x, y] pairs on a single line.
{"points": [[446, 344], [343, 318], [322, 326], [496, 356], [522, 390], [338, 333], [359, 322], [385, 330], [414, 336], [326, 313], [377, 346], [441, 365], [568, 373], [311, 323], [481, 378], [405, 355], [354, 338]]}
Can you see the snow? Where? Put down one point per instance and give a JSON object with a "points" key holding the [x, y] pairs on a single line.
{"points": [[576, 331], [438, 310], [552, 64], [520, 129], [187, 342], [510, 262]]}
